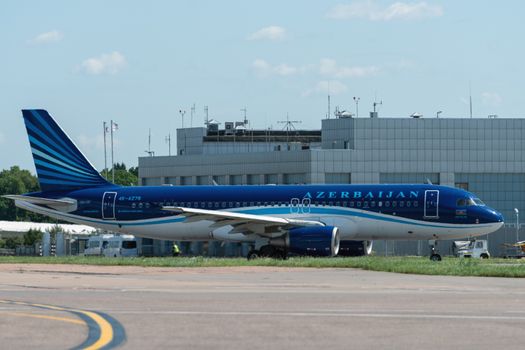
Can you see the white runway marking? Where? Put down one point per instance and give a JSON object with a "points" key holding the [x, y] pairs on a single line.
{"points": [[321, 314]]}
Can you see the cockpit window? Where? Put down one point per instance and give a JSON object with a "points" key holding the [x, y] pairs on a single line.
{"points": [[466, 202], [478, 202], [470, 202]]}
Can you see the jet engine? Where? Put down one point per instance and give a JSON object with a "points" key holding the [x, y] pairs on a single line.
{"points": [[355, 248], [313, 241]]}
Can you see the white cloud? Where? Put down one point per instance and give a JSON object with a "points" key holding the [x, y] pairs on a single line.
{"points": [[47, 37], [110, 63], [397, 11], [268, 33], [264, 68], [89, 142], [333, 87], [329, 67], [491, 98]]}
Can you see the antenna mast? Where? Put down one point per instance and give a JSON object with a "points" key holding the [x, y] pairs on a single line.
{"points": [[149, 151], [192, 113], [470, 98]]}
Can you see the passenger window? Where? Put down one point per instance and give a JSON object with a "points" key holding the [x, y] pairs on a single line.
{"points": [[365, 204], [401, 204], [337, 204], [358, 204], [223, 205], [409, 203], [372, 204], [345, 204], [216, 204], [394, 204], [416, 204], [387, 204]]}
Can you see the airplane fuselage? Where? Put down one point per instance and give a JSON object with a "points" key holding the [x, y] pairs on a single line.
{"points": [[361, 212]]}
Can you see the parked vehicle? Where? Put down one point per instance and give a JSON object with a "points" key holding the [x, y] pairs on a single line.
{"points": [[96, 245], [121, 246], [472, 249]]}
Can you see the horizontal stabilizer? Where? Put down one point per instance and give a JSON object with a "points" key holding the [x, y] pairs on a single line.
{"points": [[63, 202]]}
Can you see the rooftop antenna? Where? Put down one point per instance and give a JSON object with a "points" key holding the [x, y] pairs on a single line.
{"points": [[328, 105], [470, 97], [149, 151], [192, 113], [168, 140], [245, 121], [377, 104], [206, 120], [288, 125]]}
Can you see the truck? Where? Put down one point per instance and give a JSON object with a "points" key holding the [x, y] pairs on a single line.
{"points": [[477, 248]]}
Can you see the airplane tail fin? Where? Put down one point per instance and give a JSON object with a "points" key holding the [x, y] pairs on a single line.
{"points": [[59, 164]]}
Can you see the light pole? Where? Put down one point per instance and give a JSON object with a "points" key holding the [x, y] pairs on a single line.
{"points": [[438, 113], [356, 99], [517, 224], [182, 115]]}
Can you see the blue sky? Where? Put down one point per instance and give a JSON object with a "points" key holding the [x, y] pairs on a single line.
{"points": [[139, 63]]}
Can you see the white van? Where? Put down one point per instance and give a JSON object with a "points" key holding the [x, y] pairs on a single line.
{"points": [[121, 246], [96, 245]]}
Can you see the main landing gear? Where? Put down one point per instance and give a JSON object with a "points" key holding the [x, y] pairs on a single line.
{"points": [[267, 251], [434, 255]]}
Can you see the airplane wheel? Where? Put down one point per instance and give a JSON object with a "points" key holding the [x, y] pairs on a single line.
{"points": [[252, 254], [435, 257], [484, 256], [280, 254]]}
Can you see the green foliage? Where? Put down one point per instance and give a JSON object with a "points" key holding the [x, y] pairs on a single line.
{"points": [[17, 181], [123, 177], [11, 242], [32, 236], [410, 265]]}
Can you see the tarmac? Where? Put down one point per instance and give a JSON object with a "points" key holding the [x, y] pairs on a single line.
{"points": [[72, 306]]}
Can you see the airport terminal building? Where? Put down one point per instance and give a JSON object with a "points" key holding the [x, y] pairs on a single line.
{"points": [[482, 155]]}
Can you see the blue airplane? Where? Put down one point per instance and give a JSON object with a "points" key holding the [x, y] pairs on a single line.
{"points": [[316, 220]]}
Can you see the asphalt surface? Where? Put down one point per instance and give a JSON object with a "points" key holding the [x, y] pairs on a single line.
{"points": [[254, 307]]}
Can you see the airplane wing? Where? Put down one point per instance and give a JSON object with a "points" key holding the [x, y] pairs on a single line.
{"points": [[243, 223]]}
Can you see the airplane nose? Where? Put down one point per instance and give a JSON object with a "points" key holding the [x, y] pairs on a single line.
{"points": [[495, 216]]}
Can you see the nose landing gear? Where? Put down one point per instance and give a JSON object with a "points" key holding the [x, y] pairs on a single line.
{"points": [[434, 254]]}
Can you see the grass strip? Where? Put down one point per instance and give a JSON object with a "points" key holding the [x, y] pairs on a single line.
{"points": [[407, 265]]}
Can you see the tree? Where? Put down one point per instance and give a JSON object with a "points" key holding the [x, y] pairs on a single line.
{"points": [[123, 177], [32, 236], [17, 181]]}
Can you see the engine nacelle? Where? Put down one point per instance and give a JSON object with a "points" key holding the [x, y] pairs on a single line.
{"points": [[355, 248], [313, 241]]}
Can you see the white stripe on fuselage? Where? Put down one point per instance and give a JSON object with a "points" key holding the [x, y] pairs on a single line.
{"points": [[352, 223]]}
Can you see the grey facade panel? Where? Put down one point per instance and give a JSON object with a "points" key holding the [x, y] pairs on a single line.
{"points": [[485, 154]]}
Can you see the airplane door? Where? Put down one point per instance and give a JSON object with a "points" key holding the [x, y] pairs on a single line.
{"points": [[431, 204], [108, 205]]}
